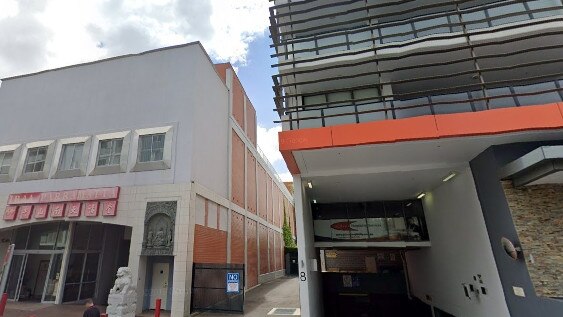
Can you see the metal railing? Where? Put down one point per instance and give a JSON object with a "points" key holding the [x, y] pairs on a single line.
{"points": [[449, 71], [384, 108]]}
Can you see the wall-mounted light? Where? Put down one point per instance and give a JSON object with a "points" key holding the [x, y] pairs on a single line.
{"points": [[314, 201], [310, 184], [450, 176], [421, 195], [510, 249]]}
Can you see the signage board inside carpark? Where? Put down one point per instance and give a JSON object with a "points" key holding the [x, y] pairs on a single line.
{"points": [[233, 282]]}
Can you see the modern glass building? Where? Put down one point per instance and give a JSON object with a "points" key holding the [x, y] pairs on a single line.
{"points": [[425, 139]]}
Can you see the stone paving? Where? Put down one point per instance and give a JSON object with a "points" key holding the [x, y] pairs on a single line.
{"points": [[281, 293]]}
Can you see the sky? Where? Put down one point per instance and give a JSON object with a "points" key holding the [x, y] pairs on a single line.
{"points": [[41, 34]]}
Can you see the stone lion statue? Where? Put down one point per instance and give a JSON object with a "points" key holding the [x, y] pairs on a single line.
{"points": [[123, 283]]}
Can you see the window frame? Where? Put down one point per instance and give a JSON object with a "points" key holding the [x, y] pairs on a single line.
{"points": [[58, 172], [152, 149], [112, 154], [2, 161], [15, 149], [35, 162], [73, 162], [166, 162], [95, 169], [22, 175]]}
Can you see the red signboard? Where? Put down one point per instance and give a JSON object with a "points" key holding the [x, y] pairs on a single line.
{"points": [[58, 204], [57, 210], [41, 211], [109, 208], [10, 213], [73, 209], [91, 208], [64, 196], [25, 212]]}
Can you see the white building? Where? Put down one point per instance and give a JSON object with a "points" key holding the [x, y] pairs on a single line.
{"points": [[134, 161]]}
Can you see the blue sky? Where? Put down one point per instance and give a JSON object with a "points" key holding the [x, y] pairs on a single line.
{"points": [[256, 77]]}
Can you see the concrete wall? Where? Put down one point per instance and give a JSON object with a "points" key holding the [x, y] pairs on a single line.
{"points": [[499, 221], [460, 250], [310, 288]]}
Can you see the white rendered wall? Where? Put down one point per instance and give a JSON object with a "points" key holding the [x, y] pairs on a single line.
{"points": [[460, 249], [310, 291], [166, 87]]}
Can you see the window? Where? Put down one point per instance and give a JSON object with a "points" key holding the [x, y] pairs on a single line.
{"points": [[71, 156], [35, 159], [109, 152], [5, 162], [151, 147]]}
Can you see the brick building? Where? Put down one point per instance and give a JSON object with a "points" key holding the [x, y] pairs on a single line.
{"points": [[147, 161]]}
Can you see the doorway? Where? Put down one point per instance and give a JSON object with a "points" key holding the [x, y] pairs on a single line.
{"points": [[34, 277], [159, 285]]}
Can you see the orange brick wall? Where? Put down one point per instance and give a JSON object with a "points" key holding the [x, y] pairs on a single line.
{"points": [[277, 251], [251, 254], [251, 181], [250, 122], [269, 201], [263, 236], [210, 245], [261, 180], [237, 238], [238, 102], [237, 162], [272, 253]]}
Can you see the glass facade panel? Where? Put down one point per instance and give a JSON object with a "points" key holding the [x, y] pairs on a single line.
{"points": [[496, 13], [53, 280], [389, 34], [81, 234], [71, 156], [432, 26], [35, 159], [21, 238], [109, 152], [62, 236], [96, 238], [91, 267], [5, 162], [151, 147], [542, 4], [336, 43], [43, 237]]}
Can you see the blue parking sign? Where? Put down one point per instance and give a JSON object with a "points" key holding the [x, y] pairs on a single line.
{"points": [[233, 282]]}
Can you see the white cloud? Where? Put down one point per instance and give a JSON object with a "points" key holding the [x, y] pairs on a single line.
{"points": [[286, 177], [268, 143], [39, 34]]}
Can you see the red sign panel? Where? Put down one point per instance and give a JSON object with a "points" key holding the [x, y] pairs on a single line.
{"points": [[25, 212], [59, 204], [109, 208], [73, 209], [64, 196], [57, 210], [41, 211], [10, 213], [91, 208]]}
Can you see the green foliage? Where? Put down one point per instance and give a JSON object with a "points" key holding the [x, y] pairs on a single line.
{"points": [[287, 236]]}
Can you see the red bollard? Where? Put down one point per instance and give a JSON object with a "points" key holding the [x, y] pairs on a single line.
{"points": [[3, 302], [157, 308]]}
